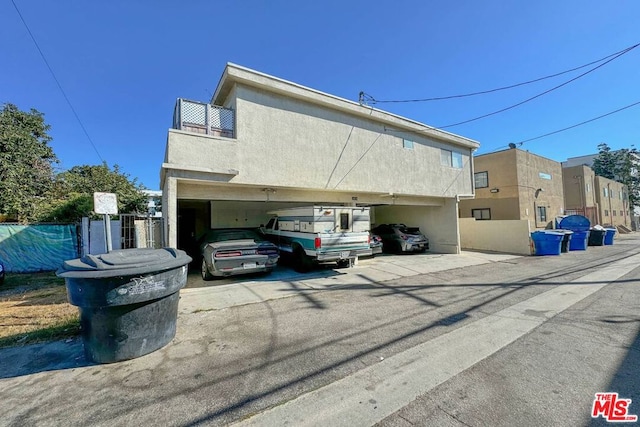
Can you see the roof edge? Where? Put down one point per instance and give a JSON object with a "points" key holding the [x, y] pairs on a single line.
{"points": [[234, 73]]}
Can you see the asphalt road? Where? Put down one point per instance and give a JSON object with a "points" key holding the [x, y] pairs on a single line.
{"points": [[526, 341]]}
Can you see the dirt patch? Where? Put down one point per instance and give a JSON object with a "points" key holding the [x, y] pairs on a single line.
{"points": [[34, 308]]}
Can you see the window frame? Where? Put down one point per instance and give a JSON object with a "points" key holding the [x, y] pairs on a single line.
{"points": [[475, 181], [482, 211], [541, 213], [451, 159]]}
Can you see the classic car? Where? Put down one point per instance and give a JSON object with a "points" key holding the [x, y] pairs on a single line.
{"points": [[227, 252]]}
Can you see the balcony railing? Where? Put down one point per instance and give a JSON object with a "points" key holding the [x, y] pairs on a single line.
{"points": [[198, 117]]}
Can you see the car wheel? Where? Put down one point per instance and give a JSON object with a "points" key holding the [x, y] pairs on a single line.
{"points": [[301, 262], [205, 271]]}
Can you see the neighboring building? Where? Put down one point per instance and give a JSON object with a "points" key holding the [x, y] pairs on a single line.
{"points": [[264, 143], [515, 184], [579, 161], [613, 202], [581, 192], [154, 202], [588, 161]]}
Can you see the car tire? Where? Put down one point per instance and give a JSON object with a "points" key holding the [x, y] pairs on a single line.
{"points": [[204, 270], [301, 262]]}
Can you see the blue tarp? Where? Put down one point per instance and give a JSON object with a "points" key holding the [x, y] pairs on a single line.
{"points": [[39, 247]]}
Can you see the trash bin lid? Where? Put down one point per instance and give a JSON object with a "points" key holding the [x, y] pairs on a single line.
{"points": [[124, 262], [575, 223]]}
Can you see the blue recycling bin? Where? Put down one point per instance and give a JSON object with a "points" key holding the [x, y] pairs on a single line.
{"points": [[580, 226], [547, 242], [608, 238]]}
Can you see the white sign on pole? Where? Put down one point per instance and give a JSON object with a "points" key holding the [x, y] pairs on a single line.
{"points": [[105, 203]]}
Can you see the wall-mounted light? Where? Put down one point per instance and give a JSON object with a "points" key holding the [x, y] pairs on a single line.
{"points": [[494, 190], [268, 191]]}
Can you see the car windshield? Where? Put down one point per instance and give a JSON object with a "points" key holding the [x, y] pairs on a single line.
{"points": [[408, 230]]}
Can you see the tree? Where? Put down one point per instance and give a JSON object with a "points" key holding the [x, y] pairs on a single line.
{"points": [[76, 186], [622, 166], [26, 163]]}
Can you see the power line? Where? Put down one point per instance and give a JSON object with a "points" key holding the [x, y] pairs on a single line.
{"points": [[540, 94], [56, 80], [579, 124], [364, 97]]}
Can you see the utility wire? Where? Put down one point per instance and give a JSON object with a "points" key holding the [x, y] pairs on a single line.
{"points": [[540, 94], [56, 80], [364, 97], [579, 124], [358, 161]]}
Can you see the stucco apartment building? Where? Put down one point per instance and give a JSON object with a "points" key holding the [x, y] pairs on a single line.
{"points": [[514, 184], [602, 200], [264, 143]]}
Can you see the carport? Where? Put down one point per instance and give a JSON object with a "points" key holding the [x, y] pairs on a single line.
{"points": [[204, 205]]}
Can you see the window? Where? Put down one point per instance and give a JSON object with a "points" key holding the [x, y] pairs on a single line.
{"points": [[588, 187], [456, 159], [605, 192], [481, 213], [344, 221], [445, 157], [407, 144], [621, 213], [481, 179], [542, 213], [451, 159], [614, 212], [606, 212], [620, 195]]}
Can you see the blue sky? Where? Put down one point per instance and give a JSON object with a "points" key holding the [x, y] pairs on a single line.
{"points": [[122, 64]]}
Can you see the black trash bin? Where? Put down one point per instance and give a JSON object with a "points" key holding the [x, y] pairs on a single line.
{"points": [[565, 239], [596, 236], [128, 300]]}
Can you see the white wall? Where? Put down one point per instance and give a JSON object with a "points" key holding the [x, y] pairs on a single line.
{"points": [[439, 224], [509, 236]]}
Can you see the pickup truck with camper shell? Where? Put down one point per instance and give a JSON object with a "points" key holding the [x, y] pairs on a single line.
{"points": [[312, 235]]}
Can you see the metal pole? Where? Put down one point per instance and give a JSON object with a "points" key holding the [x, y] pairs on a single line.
{"points": [[107, 232], [610, 212]]}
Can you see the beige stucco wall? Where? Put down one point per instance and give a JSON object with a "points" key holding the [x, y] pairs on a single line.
{"points": [[578, 186], [439, 224], [511, 236], [530, 166], [285, 142]]}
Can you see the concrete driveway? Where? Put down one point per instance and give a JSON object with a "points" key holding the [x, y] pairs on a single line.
{"points": [[283, 282]]}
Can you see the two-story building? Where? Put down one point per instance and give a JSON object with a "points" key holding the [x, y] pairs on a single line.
{"points": [[602, 200], [263, 143], [514, 184]]}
